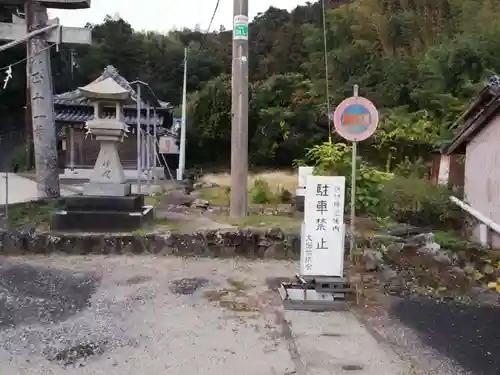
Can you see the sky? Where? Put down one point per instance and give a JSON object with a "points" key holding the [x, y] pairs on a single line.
{"points": [[164, 15]]}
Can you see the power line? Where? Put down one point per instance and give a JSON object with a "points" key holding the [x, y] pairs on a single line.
{"points": [[213, 16], [209, 26], [328, 108]]}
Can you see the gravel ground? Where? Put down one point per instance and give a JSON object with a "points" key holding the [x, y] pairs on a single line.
{"points": [[145, 315], [139, 315]]}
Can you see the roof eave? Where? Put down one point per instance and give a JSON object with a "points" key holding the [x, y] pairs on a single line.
{"points": [[473, 126], [127, 106]]}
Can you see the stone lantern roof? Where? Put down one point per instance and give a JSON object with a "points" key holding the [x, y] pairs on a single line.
{"points": [[106, 90]]}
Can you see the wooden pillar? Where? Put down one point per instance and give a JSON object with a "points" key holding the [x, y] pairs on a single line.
{"points": [[71, 146]]}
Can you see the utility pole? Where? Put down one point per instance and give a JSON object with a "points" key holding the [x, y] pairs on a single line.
{"points": [[239, 115], [182, 146], [138, 132]]}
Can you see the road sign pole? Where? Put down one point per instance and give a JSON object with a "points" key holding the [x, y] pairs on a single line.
{"points": [[355, 119], [353, 186]]}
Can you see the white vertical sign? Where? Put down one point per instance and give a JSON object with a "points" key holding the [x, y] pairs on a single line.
{"points": [[323, 230], [303, 173]]}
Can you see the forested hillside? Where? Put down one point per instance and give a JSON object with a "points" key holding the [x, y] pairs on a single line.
{"points": [[419, 61]]}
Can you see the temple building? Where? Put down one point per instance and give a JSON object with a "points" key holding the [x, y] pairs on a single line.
{"points": [[79, 151]]}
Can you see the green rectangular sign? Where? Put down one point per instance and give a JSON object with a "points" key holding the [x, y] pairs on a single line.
{"points": [[241, 31]]}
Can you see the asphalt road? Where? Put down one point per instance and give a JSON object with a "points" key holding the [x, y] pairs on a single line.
{"points": [[467, 335]]}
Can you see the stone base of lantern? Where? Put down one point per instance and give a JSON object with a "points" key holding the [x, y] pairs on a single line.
{"points": [[102, 214], [106, 189]]}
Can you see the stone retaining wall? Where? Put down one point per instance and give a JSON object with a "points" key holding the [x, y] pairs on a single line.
{"points": [[247, 243]]}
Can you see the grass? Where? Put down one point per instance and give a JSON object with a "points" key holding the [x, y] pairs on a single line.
{"points": [[33, 214], [216, 195], [454, 242], [286, 223], [152, 200], [220, 195], [275, 179]]}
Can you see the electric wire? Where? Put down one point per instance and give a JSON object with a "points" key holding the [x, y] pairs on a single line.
{"points": [[209, 26], [327, 84]]}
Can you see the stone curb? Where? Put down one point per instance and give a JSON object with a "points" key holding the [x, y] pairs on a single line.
{"points": [[248, 243]]}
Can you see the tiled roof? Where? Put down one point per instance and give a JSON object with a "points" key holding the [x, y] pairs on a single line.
{"points": [[75, 117], [81, 116], [75, 98]]}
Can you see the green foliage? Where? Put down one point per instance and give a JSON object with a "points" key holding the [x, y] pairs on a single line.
{"points": [[260, 192], [419, 62], [419, 168], [403, 198], [284, 196], [416, 201], [335, 159], [453, 241]]}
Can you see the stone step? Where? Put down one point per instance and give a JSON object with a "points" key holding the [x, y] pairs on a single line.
{"points": [[129, 203], [100, 221]]}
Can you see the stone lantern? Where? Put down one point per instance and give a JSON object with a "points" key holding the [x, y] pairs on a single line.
{"points": [[107, 204], [108, 178]]}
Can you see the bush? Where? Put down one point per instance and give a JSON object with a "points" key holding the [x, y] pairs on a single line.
{"points": [[417, 202], [284, 195], [260, 192], [409, 199], [334, 159], [416, 169]]}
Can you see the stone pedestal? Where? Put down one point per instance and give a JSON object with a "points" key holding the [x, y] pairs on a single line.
{"points": [[102, 214], [108, 178], [106, 204]]}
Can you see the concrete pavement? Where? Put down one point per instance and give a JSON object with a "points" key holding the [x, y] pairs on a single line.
{"points": [[337, 343], [149, 316], [22, 189]]}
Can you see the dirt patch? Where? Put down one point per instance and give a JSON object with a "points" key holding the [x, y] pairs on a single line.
{"points": [[237, 285], [76, 355], [139, 279], [234, 297], [187, 286]]}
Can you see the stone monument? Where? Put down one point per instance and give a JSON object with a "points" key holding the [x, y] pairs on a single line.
{"points": [[107, 203]]}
